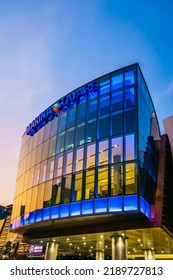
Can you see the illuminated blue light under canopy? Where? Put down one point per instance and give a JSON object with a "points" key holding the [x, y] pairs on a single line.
{"points": [[64, 210], [75, 209], [85, 207], [100, 205], [115, 204], [130, 202]]}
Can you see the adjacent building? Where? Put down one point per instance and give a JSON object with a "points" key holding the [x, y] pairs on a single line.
{"points": [[95, 174]]}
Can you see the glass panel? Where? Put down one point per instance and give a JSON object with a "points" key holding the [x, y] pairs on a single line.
{"points": [[50, 168], [33, 199], [60, 142], [116, 81], [36, 175], [103, 152], [92, 109], [58, 166], [45, 150], [102, 182], [117, 100], [80, 134], [91, 130], [116, 179], [71, 117], [56, 191], [103, 126], [31, 177], [69, 140], [90, 179], [91, 150], [117, 123], [130, 120], [54, 127], [79, 159], [117, 149], [35, 140], [129, 78], [104, 104], [104, 84], [33, 156], [68, 163], [131, 178], [67, 189], [52, 144], [62, 122], [47, 194], [43, 172], [47, 131], [130, 147], [38, 154], [40, 136], [40, 194], [28, 201], [80, 113], [78, 187], [130, 99]]}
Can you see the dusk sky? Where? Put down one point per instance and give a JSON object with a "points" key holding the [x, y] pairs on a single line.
{"points": [[50, 47]]}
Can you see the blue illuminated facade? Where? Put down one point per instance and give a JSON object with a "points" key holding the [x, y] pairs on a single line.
{"points": [[91, 153]]}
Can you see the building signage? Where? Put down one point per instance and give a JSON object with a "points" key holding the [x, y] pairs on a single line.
{"points": [[67, 102], [36, 250]]}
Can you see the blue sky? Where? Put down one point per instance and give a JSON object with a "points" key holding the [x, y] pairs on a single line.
{"points": [[50, 47]]}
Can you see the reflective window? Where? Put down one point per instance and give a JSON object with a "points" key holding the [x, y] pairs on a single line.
{"points": [[36, 175], [129, 78], [69, 140], [131, 178], [47, 131], [117, 149], [129, 98], [56, 191], [33, 156], [62, 122], [116, 179], [92, 109], [130, 147], [66, 191], [117, 123], [40, 135], [91, 150], [89, 186], [71, 117], [60, 142], [35, 140], [38, 154], [45, 149], [105, 84], [102, 182], [80, 134], [33, 199], [117, 100], [81, 113], [130, 119], [40, 195], [47, 194], [28, 201], [78, 187], [103, 127], [79, 159], [91, 130], [52, 144], [43, 171], [58, 166], [68, 163], [54, 127], [31, 177], [104, 104], [50, 168], [116, 81], [103, 152]]}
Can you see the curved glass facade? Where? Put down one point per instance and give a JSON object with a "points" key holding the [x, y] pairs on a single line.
{"points": [[95, 156]]}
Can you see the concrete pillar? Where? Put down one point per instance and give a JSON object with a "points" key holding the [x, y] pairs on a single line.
{"points": [[149, 254], [100, 252], [119, 247], [51, 250]]}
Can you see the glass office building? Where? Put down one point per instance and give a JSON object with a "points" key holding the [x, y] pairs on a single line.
{"points": [[90, 162]]}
